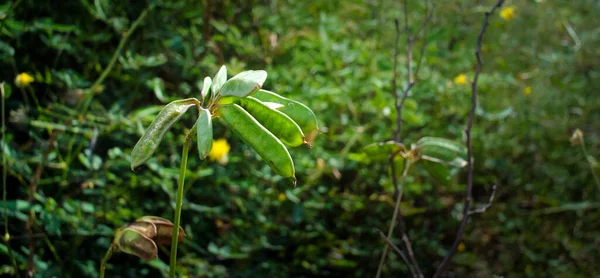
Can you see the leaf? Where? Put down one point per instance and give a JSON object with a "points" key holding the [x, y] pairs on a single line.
{"points": [[205, 92], [204, 133], [438, 171], [157, 85], [244, 83], [218, 81], [441, 150], [150, 140], [259, 138], [282, 126], [300, 113], [132, 242]]}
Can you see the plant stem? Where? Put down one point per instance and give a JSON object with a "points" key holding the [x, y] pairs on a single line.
{"points": [[394, 217], [114, 58], [4, 174], [591, 166], [109, 253], [179, 202]]}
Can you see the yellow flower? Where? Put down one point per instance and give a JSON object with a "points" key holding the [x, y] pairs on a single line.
{"points": [[461, 79], [219, 151], [508, 13], [460, 247], [281, 197], [23, 80], [527, 90]]}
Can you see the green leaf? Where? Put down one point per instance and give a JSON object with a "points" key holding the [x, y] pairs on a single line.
{"points": [[441, 150], [438, 171], [219, 80], [259, 138], [244, 83], [205, 92], [282, 126], [204, 133], [133, 242], [300, 113], [150, 140]]}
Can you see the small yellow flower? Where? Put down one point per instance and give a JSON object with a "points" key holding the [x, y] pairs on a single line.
{"points": [[460, 247], [527, 90], [23, 80], [219, 151], [507, 13], [281, 197], [461, 79]]}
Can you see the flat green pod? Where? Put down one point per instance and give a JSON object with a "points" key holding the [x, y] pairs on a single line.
{"points": [[278, 123], [259, 138], [382, 150], [300, 113], [150, 140], [442, 150], [204, 133]]}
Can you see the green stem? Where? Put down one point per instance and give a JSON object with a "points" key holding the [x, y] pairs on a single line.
{"points": [[114, 58], [591, 166], [179, 202], [394, 217], [4, 174], [109, 253]]}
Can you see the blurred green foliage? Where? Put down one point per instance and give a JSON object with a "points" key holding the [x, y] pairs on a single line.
{"points": [[540, 82]]}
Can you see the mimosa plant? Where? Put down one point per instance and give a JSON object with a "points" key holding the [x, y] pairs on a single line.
{"points": [[264, 120]]}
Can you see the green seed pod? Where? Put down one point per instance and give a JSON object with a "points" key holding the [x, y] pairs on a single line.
{"points": [[382, 150], [204, 133], [244, 83], [442, 150], [164, 229], [300, 113], [282, 126], [133, 242], [149, 142], [259, 138]]}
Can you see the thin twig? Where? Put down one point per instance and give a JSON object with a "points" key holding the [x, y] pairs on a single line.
{"points": [[467, 203], [398, 105], [411, 254], [6, 236], [402, 255], [394, 217], [488, 204], [32, 190]]}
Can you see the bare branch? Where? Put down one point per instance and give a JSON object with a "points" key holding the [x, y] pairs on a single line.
{"points": [[489, 203], [402, 255], [411, 254], [467, 203]]}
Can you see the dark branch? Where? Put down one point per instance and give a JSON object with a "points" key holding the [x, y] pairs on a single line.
{"points": [[488, 204], [467, 203], [402, 255]]}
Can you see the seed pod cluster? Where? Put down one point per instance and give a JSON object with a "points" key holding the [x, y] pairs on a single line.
{"points": [[141, 237], [263, 119]]}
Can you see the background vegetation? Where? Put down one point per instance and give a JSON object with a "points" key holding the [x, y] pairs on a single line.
{"points": [[70, 129]]}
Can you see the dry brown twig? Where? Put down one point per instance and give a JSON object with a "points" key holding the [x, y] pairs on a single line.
{"points": [[467, 203], [398, 103]]}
